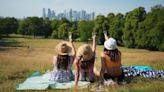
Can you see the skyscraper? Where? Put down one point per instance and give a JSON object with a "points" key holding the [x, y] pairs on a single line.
{"points": [[92, 15], [44, 13], [49, 14], [71, 15], [53, 15]]}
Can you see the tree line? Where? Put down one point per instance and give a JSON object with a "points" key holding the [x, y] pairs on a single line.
{"points": [[135, 29]]}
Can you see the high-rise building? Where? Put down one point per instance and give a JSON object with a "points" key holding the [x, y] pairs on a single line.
{"points": [[92, 15], [44, 13], [49, 14], [53, 15], [71, 15]]}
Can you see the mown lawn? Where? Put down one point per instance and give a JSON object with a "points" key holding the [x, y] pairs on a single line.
{"points": [[19, 57]]}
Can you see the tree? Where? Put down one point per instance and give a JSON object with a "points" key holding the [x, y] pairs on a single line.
{"points": [[100, 25], [35, 26], [63, 31], [85, 29], [151, 30], [55, 25], [132, 20], [23, 28], [8, 25], [116, 27], [46, 28]]}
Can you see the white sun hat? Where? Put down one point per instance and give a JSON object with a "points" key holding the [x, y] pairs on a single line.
{"points": [[110, 44]]}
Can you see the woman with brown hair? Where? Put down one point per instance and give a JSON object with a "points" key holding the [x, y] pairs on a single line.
{"points": [[111, 62], [63, 62]]}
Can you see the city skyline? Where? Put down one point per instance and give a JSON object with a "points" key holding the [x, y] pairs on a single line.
{"points": [[71, 15], [25, 8]]}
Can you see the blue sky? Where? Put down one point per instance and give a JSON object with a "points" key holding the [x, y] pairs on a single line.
{"points": [[24, 8]]}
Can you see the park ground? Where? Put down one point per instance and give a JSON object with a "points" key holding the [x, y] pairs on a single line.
{"points": [[20, 57]]}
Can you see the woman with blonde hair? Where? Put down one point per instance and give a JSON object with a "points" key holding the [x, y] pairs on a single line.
{"points": [[84, 62]]}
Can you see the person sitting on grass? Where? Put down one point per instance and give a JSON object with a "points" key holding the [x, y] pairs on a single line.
{"points": [[84, 62], [111, 62], [63, 62]]}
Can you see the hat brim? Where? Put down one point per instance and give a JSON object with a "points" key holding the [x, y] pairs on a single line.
{"points": [[58, 46]]}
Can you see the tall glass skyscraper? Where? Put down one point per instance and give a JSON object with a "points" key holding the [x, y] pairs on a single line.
{"points": [[44, 13]]}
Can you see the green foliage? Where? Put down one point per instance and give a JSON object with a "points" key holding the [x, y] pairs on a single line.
{"points": [[46, 28], [35, 26], [132, 20], [100, 26], [54, 34], [135, 29], [63, 31], [85, 29], [8, 25], [116, 27], [151, 30]]}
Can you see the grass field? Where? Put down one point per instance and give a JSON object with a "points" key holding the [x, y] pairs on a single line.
{"points": [[19, 57]]}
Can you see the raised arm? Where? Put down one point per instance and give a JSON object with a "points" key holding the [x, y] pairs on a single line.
{"points": [[94, 43], [73, 47], [105, 35]]}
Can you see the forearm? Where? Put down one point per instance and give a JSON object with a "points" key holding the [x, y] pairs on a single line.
{"points": [[76, 80], [76, 77], [94, 45], [76, 63], [106, 37], [73, 49]]}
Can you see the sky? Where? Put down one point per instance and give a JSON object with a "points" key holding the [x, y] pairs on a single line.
{"points": [[24, 8]]}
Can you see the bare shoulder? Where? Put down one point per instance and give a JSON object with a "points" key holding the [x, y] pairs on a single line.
{"points": [[102, 54]]}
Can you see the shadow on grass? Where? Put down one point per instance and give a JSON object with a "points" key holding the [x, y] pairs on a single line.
{"points": [[7, 43]]}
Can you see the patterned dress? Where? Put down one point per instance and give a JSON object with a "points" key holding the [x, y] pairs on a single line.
{"points": [[63, 75]]}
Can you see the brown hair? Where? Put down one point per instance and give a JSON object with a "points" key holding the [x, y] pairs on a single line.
{"points": [[113, 54], [63, 61]]}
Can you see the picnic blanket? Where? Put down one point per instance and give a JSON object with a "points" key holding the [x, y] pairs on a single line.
{"points": [[144, 71], [144, 68], [37, 81]]}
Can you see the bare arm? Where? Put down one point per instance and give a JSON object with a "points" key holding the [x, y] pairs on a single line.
{"points": [[105, 35], [94, 43], [73, 49], [102, 68], [76, 62], [72, 45], [54, 62]]}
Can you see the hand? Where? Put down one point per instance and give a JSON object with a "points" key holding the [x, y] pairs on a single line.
{"points": [[93, 36], [70, 37]]}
